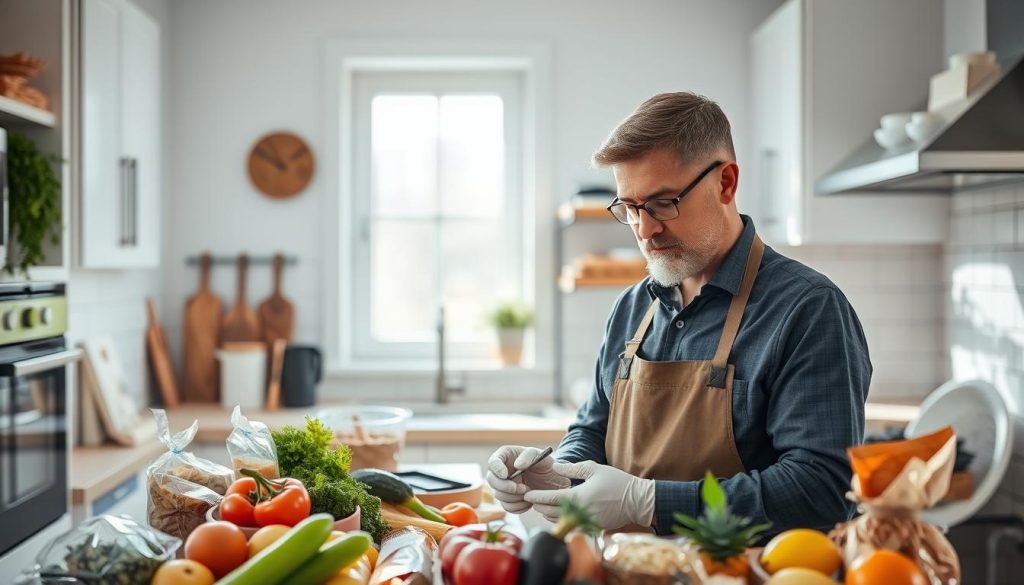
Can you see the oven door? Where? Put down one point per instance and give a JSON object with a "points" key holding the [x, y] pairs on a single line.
{"points": [[33, 437]]}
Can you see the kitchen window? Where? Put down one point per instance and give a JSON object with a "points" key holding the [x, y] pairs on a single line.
{"points": [[437, 215]]}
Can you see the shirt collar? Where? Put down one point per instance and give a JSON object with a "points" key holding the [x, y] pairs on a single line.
{"points": [[729, 275]]}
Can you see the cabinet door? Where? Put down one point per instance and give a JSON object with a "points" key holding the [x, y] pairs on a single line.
{"points": [[103, 185], [777, 90], [140, 134]]}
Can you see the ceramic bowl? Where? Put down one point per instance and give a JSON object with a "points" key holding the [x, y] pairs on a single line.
{"points": [[895, 122], [346, 524], [888, 139], [923, 125]]}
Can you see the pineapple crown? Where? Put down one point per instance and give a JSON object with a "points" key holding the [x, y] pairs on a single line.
{"points": [[718, 532]]}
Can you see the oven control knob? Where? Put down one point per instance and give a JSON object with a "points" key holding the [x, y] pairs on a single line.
{"points": [[29, 318], [10, 320], [46, 315]]}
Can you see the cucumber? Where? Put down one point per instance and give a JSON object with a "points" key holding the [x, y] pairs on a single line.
{"points": [[391, 489], [274, 563], [332, 557]]}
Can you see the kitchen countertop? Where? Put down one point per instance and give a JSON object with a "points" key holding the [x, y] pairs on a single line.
{"points": [[93, 471]]}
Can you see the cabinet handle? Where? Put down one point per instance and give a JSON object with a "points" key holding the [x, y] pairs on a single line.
{"points": [[123, 207], [768, 158], [135, 202]]}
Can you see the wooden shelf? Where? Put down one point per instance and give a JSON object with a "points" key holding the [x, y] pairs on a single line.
{"points": [[569, 213], [569, 283], [13, 113]]}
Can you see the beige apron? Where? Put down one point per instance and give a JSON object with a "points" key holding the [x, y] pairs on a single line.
{"points": [[673, 420]]}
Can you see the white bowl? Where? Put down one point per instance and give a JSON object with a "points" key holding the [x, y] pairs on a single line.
{"points": [[975, 58], [895, 122], [924, 125], [888, 139]]}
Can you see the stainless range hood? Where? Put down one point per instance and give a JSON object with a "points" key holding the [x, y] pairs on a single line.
{"points": [[982, 145]]}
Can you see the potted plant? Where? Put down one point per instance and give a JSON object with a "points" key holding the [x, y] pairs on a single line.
{"points": [[511, 320], [35, 202]]}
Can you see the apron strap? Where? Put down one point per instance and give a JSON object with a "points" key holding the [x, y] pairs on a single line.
{"points": [[626, 359], [719, 364]]}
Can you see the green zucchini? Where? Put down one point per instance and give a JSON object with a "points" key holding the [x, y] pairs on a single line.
{"points": [[392, 489], [271, 565], [332, 557]]}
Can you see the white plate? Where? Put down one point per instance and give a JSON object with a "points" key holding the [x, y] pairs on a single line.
{"points": [[978, 415]]}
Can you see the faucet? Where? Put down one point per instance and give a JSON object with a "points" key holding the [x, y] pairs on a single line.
{"points": [[444, 390]]}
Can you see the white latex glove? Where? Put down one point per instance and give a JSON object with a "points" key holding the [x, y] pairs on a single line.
{"points": [[509, 493], [615, 497]]}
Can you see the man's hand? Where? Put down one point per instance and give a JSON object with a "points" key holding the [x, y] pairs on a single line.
{"points": [[505, 461], [615, 497]]}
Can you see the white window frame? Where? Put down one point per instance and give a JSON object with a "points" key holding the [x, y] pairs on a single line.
{"points": [[342, 61], [508, 86]]}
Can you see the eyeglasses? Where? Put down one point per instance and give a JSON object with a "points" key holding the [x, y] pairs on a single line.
{"points": [[659, 209]]}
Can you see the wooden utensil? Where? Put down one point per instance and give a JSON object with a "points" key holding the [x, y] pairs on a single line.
{"points": [[203, 313], [274, 379], [241, 323], [277, 315], [160, 358]]}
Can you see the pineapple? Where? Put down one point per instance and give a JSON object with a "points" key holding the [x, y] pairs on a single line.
{"points": [[722, 537]]}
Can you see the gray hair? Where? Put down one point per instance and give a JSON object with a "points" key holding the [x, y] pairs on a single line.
{"points": [[689, 124]]}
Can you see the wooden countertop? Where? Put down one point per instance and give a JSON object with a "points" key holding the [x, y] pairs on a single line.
{"points": [[94, 471]]}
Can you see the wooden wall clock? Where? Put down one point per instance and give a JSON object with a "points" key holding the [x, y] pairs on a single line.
{"points": [[281, 164]]}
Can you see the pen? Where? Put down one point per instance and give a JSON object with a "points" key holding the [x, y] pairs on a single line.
{"points": [[547, 451]]}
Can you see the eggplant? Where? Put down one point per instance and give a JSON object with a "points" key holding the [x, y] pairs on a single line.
{"points": [[544, 559]]}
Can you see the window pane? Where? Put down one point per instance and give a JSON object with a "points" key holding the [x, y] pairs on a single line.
{"points": [[472, 155], [404, 145], [403, 280], [476, 266]]}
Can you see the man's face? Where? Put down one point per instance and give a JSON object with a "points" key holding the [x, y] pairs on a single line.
{"points": [[679, 248]]}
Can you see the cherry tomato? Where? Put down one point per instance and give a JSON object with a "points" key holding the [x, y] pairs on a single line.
{"points": [[289, 506], [238, 510], [459, 514]]}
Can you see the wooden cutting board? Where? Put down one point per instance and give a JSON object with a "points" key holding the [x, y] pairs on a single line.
{"points": [[241, 323], [160, 358], [203, 312], [277, 315]]}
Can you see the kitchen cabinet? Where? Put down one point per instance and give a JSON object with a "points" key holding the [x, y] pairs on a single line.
{"points": [[822, 74], [120, 136]]}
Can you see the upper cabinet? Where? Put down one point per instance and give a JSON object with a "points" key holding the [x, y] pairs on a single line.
{"points": [[822, 74], [121, 136]]}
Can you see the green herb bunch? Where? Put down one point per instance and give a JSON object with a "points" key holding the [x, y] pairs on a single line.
{"points": [[35, 201], [306, 455]]}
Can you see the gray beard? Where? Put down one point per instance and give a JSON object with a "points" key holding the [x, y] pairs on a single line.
{"points": [[670, 271]]}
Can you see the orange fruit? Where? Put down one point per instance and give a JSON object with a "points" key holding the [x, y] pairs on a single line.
{"points": [[884, 567], [182, 572], [219, 545], [804, 548]]}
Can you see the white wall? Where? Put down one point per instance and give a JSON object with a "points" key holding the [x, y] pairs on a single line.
{"points": [[242, 68]]}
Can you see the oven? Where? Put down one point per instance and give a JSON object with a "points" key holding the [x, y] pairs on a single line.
{"points": [[33, 409]]}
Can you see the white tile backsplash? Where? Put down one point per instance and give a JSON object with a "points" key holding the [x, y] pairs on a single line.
{"points": [[984, 270]]}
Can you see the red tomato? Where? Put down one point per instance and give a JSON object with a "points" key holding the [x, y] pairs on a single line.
{"points": [[485, 563], [289, 506], [453, 544], [238, 510], [459, 514], [242, 486]]}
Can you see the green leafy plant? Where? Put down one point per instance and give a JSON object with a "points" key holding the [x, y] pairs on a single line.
{"points": [[717, 532], [306, 455], [35, 201], [511, 316]]}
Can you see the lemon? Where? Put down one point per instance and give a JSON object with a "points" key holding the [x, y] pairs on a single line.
{"points": [[804, 548], [799, 576]]}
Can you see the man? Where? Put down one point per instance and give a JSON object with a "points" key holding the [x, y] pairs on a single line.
{"points": [[729, 357]]}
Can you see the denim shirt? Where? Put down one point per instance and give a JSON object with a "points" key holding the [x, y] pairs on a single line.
{"points": [[802, 372]]}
